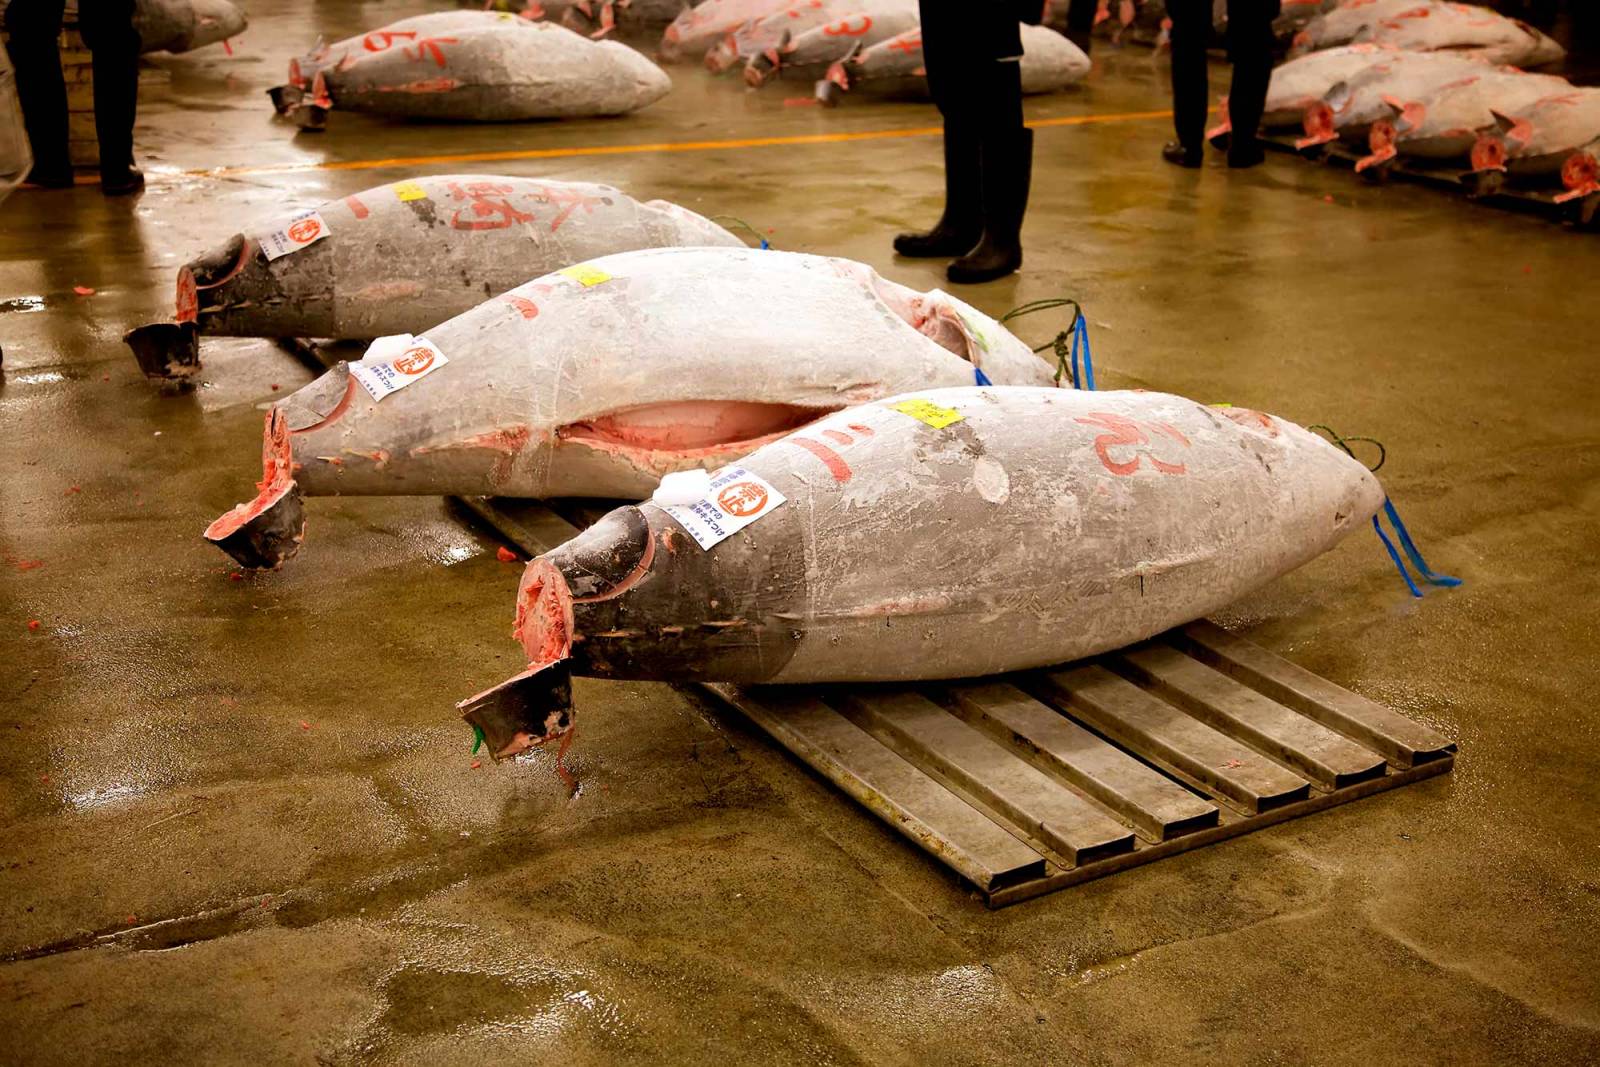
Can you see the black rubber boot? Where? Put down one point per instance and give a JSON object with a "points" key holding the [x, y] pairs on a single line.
{"points": [[41, 89], [959, 228], [1007, 172], [1180, 156], [114, 46]]}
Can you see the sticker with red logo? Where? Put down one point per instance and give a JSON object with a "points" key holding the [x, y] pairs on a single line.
{"points": [[392, 363], [735, 499], [304, 230]]}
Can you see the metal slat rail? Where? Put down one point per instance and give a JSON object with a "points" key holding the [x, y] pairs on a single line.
{"points": [[1039, 781]]}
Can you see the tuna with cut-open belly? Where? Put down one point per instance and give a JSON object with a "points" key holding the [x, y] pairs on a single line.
{"points": [[895, 67], [184, 25], [943, 533], [808, 55], [1443, 124], [508, 69], [599, 378], [402, 257]]}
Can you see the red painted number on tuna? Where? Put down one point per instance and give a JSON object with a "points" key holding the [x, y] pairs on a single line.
{"points": [[382, 40], [429, 47], [848, 28], [1124, 433], [484, 211]]}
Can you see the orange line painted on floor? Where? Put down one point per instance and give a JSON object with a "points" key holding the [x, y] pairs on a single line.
{"points": [[663, 146]]}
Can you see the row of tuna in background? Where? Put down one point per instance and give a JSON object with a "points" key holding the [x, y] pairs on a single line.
{"points": [[1440, 85], [859, 431], [495, 66]]}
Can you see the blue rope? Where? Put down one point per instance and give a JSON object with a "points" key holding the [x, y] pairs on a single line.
{"points": [[1398, 565], [1411, 549], [1080, 332], [983, 379]]}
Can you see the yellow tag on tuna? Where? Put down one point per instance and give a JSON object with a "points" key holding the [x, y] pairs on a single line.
{"points": [[408, 191], [585, 274], [929, 412]]}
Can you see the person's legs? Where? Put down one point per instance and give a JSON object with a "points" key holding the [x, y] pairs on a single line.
{"points": [[961, 224], [34, 26], [107, 27], [1191, 30], [1007, 152], [1250, 48], [1080, 23]]}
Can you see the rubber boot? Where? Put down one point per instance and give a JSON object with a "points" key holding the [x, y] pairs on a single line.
{"points": [[959, 228], [1007, 172], [40, 89], [114, 46]]}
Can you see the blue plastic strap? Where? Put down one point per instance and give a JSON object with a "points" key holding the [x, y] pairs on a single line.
{"points": [[1080, 339], [1411, 549], [764, 245], [983, 379], [1398, 565]]}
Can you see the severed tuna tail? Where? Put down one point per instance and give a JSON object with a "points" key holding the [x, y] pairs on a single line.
{"points": [[266, 531], [523, 712], [169, 350]]}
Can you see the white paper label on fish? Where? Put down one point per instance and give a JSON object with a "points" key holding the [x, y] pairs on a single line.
{"points": [[417, 358], [737, 498], [305, 230]]}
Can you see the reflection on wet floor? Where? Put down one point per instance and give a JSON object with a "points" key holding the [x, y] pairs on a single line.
{"points": [[239, 818]]}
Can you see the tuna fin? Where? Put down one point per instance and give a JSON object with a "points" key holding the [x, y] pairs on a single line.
{"points": [[524, 711], [168, 350]]}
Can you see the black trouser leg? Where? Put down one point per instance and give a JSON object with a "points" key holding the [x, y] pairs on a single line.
{"points": [[34, 27], [1080, 22], [1007, 150], [1250, 49], [107, 27], [1191, 31]]}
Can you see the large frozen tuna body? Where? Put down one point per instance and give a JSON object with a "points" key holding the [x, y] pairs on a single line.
{"points": [[1444, 123], [400, 34], [700, 27], [1354, 105], [1049, 62], [843, 18], [599, 378], [940, 534], [1544, 138], [1300, 84], [1353, 20], [1467, 28], [184, 25], [597, 18], [400, 258], [808, 55], [508, 69]]}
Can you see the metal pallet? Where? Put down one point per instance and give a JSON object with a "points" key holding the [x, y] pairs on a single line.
{"points": [[1041, 780]]}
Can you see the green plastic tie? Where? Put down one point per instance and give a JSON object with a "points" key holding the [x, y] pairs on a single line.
{"points": [[478, 738]]}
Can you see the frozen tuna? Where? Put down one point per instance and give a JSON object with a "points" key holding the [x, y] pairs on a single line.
{"points": [[940, 534], [1369, 96], [1443, 124], [1301, 84], [184, 25], [699, 28], [487, 67], [597, 18], [843, 17], [403, 257], [1352, 21], [808, 55], [1470, 29], [1049, 62], [599, 378], [1554, 135]]}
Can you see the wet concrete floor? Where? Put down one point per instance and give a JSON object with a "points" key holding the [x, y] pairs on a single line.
{"points": [[238, 818]]}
